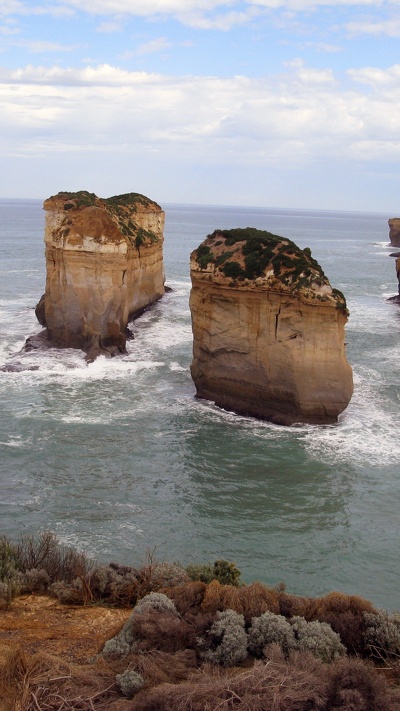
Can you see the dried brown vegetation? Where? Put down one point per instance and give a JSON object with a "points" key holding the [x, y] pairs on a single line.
{"points": [[249, 600], [176, 625], [188, 597], [300, 683], [345, 614], [163, 631], [43, 682]]}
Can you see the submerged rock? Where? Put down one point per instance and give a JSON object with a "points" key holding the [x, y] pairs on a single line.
{"points": [[17, 367], [104, 264], [268, 329]]}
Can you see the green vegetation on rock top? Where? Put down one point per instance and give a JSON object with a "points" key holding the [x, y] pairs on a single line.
{"points": [[82, 198], [256, 252], [130, 199]]}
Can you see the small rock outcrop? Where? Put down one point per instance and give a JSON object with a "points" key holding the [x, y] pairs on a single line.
{"points": [[104, 264], [268, 329], [394, 231], [396, 299]]}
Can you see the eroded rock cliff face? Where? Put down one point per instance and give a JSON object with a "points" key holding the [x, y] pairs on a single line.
{"points": [[394, 231], [396, 299], [268, 329], [104, 263]]}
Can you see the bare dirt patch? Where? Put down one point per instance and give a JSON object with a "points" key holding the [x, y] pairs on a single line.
{"points": [[39, 623]]}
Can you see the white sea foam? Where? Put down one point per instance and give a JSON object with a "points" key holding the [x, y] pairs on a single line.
{"points": [[384, 245], [366, 433], [16, 441], [376, 317], [176, 368]]}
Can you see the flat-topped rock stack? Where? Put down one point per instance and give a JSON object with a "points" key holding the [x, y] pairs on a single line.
{"points": [[394, 231], [104, 264], [268, 329]]}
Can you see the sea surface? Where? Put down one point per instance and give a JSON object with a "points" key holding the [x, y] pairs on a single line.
{"points": [[118, 457]]}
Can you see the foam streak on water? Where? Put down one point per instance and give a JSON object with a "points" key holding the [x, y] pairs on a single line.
{"points": [[118, 455]]}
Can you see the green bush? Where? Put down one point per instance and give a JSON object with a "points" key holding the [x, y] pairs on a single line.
{"points": [[129, 682], [125, 641], [204, 256], [226, 642], [317, 638], [203, 572], [227, 573], [382, 634], [233, 270], [34, 581], [163, 575], [224, 571], [295, 634], [223, 257], [270, 629], [9, 564]]}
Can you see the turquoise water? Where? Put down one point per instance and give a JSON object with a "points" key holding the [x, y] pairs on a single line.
{"points": [[118, 456]]}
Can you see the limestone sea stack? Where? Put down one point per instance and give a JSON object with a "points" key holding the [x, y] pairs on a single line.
{"points": [[394, 231], [104, 264], [268, 329]]}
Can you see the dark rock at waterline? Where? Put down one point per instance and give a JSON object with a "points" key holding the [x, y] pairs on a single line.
{"points": [[17, 367], [395, 254], [38, 342], [40, 311], [130, 336]]}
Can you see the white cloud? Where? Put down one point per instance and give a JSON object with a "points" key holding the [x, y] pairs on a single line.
{"points": [[198, 13], [9, 29], [10, 7], [308, 75], [18, 7], [223, 21], [377, 78], [295, 117], [391, 28], [115, 25], [150, 7], [155, 45], [43, 47], [324, 47]]}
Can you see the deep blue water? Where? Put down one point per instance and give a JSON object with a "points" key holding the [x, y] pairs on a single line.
{"points": [[118, 456]]}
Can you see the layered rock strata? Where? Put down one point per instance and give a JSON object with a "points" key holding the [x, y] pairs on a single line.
{"points": [[104, 264], [268, 329], [394, 231]]}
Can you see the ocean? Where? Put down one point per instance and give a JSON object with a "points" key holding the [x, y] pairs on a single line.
{"points": [[118, 457]]}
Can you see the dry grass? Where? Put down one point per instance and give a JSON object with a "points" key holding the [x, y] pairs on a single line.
{"points": [[47, 683], [296, 606], [256, 599], [44, 682], [345, 614], [271, 686], [249, 600], [188, 597], [300, 683], [163, 631]]}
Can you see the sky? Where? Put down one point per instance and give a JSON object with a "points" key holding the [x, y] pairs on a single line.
{"points": [[270, 103]]}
